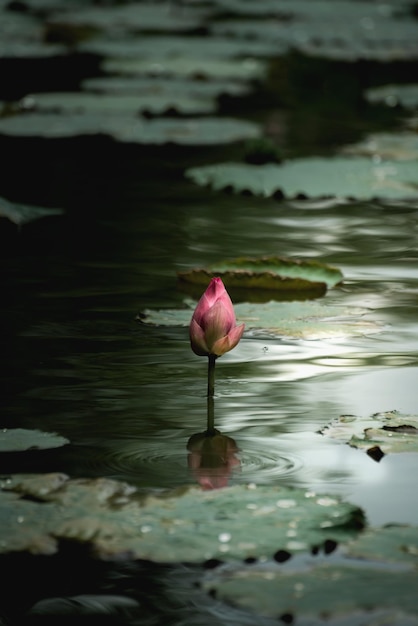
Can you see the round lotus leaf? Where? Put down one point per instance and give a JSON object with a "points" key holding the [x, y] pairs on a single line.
{"points": [[133, 17], [349, 593], [234, 69], [127, 129], [379, 434], [268, 273], [296, 320], [391, 544], [162, 48], [188, 525], [401, 146], [339, 176], [158, 94], [19, 439], [358, 30], [393, 95]]}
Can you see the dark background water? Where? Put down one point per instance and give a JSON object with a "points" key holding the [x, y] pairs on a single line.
{"points": [[77, 360]]}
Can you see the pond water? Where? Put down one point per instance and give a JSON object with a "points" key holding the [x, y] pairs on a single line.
{"points": [[128, 395], [78, 359]]}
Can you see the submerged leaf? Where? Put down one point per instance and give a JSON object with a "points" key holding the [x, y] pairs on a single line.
{"points": [[187, 525]]}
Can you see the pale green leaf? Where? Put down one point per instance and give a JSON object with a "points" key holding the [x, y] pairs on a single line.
{"points": [[316, 177], [384, 432], [19, 439], [186, 525]]}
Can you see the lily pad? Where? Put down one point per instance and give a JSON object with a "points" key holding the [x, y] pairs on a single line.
{"points": [[339, 176], [377, 435], [189, 525], [355, 589], [394, 95], [19, 439], [296, 320], [134, 17], [162, 48], [268, 273], [22, 214], [160, 94], [401, 146], [358, 30], [234, 69], [128, 129]]}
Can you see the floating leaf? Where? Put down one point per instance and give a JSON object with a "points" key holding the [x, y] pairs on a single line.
{"points": [[147, 95], [158, 50], [358, 30], [375, 583], [316, 177], [395, 146], [204, 131], [158, 95], [234, 69], [296, 320], [393, 95], [133, 17], [268, 273], [384, 432], [189, 525], [19, 439], [22, 214]]}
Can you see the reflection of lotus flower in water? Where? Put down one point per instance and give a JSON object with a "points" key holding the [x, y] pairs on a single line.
{"points": [[212, 458]]}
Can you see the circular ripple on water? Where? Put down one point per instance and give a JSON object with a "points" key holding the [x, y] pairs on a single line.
{"points": [[264, 460], [164, 463]]}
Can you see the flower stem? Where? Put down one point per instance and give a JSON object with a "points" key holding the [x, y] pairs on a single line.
{"points": [[211, 375]]}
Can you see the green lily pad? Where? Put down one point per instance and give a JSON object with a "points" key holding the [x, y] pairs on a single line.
{"points": [[296, 320], [389, 146], [131, 17], [356, 589], [162, 48], [339, 176], [188, 525], [393, 95], [358, 30], [19, 439], [377, 435], [235, 69], [128, 129], [158, 95], [391, 544], [268, 273], [22, 214]]}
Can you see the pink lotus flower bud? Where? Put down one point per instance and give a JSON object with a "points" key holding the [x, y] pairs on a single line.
{"points": [[213, 329]]}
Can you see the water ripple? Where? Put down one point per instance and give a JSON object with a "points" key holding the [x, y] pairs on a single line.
{"points": [[163, 463]]}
